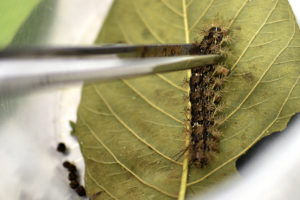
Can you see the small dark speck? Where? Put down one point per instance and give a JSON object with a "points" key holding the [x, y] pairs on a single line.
{"points": [[248, 76], [238, 28], [172, 52], [61, 147]]}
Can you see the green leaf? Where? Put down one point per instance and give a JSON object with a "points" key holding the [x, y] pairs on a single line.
{"points": [[37, 28], [13, 15], [130, 131]]}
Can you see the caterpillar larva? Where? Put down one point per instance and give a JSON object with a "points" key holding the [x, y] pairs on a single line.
{"points": [[206, 84]]}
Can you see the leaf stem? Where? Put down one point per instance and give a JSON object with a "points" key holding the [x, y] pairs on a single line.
{"points": [[186, 26], [185, 168]]}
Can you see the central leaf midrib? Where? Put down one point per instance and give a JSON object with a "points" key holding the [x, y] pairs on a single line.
{"points": [[185, 168]]}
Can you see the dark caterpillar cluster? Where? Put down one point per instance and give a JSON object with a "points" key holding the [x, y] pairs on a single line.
{"points": [[73, 174], [205, 96], [73, 178]]}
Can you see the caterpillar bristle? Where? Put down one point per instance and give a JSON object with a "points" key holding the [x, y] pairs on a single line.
{"points": [[218, 120], [196, 95], [198, 129], [185, 82], [220, 108], [204, 32], [221, 70], [206, 79], [211, 107], [226, 40], [212, 145], [217, 98], [225, 52], [216, 134], [187, 109], [208, 93], [218, 83], [185, 98]]}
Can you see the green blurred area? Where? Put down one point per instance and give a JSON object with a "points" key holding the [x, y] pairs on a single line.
{"points": [[13, 14]]}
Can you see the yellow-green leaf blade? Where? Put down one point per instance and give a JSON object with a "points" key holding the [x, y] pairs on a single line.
{"points": [[131, 130], [264, 87]]}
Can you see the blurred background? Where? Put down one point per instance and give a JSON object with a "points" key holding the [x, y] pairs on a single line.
{"points": [[32, 124]]}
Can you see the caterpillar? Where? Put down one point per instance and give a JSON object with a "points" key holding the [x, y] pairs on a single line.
{"points": [[205, 96]]}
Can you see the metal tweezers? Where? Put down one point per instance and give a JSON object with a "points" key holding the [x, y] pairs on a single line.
{"points": [[29, 68]]}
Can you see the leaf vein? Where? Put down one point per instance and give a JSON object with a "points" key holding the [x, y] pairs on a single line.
{"points": [[101, 162], [100, 186], [186, 25], [185, 167], [258, 82], [171, 8], [149, 102], [124, 166], [286, 116], [259, 136], [238, 133], [201, 16], [292, 98], [238, 13], [189, 3], [132, 131], [96, 112], [275, 79], [127, 40], [265, 43], [147, 25], [256, 104], [171, 24], [277, 21], [254, 36], [284, 62], [171, 83]]}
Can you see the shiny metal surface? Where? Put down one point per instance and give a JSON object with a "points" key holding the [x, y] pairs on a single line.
{"points": [[24, 74], [29, 68], [140, 51]]}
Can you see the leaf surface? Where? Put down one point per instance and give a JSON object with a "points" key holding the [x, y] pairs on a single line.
{"points": [[130, 131]]}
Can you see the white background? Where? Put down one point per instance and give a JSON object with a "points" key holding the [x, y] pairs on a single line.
{"points": [[31, 125]]}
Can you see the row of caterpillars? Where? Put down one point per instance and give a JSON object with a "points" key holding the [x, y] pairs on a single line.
{"points": [[206, 84], [73, 173]]}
